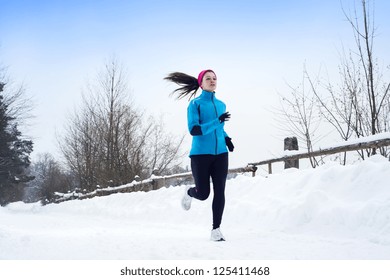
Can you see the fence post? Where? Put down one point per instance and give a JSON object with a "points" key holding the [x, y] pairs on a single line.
{"points": [[269, 168], [291, 144]]}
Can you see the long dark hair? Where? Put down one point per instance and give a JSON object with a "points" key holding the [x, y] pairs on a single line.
{"points": [[188, 84]]}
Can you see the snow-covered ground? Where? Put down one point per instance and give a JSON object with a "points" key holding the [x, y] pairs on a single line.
{"points": [[332, 212]]}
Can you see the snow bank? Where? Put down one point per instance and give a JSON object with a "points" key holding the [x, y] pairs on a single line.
{"points": [[331, 212]]}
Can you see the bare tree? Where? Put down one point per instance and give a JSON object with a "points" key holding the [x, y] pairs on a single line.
{"points": [[339, 106], [50, 177], [19, 104], [371, 115], [299, 115], [359, 104], [164, 149], [108, 141]]}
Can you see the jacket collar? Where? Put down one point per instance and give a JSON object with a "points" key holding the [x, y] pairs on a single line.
{"points": [[207, 94]]}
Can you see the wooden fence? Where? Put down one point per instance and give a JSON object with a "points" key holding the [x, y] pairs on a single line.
{"points": [[157, 182], [322, 152], [153, 183]]}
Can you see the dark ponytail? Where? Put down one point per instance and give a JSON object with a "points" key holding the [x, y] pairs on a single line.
{"points": [[188, 84]]}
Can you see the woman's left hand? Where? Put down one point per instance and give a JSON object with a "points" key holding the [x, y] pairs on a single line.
{"points": [[229, 143]]}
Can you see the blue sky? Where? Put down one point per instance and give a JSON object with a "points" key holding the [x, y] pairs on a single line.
{"points": [[56, 47]]}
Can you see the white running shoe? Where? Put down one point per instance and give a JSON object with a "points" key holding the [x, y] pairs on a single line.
{"points": [[216, 235], [186, 200]]}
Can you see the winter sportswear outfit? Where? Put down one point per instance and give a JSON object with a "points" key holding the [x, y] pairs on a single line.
{"points": [[203, 123], [209, 154]]}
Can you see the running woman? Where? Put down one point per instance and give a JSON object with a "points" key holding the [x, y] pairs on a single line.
{"points": [[206, 116]]}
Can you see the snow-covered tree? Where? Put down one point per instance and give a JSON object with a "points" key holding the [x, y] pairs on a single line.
{"points": [[14, 153]]}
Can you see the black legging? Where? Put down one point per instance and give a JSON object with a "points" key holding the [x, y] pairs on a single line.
{"points": [[214, 166]]}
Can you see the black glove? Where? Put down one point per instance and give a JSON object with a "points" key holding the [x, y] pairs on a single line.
{"points": [[229, 143], [224, 117]]}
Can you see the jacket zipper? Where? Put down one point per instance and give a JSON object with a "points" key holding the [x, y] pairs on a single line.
{"points": [[215, 131]]}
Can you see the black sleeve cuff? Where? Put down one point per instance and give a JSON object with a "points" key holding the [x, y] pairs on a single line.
{"points": [[196, 131]]}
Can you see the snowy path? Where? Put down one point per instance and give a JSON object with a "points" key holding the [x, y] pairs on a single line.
{"points": [[332, 212]]}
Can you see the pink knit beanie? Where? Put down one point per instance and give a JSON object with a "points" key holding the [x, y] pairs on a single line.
{"points": [[201, 74]]}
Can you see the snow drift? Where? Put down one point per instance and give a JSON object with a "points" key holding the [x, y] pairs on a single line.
{"points": [[331, 212]]}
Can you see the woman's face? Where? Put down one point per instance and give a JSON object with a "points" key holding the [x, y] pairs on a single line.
{"points": [[209, 81]]}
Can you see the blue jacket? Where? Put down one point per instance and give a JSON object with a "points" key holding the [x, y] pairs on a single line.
{"points": [[204, 125]]}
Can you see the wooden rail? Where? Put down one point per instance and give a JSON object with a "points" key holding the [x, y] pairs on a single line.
{"points": [[153, 183], [328, 151], [156, 182]]}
